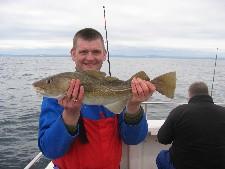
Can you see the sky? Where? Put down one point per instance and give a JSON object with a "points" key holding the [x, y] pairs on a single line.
{"points": [[135, 27]]}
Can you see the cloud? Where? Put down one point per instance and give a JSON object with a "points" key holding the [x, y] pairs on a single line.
{"points": [[187, 24]]}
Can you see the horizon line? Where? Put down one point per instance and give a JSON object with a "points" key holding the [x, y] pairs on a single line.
{"points": [[116, 55]]}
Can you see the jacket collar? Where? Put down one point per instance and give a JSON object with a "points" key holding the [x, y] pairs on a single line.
{"points": [[201, 98]]}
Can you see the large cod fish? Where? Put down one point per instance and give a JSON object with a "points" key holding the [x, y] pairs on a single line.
{"points": [[101, 89]]}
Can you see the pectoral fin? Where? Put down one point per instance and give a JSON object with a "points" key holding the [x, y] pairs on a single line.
{"points": [[117, 107], [59, 97]]}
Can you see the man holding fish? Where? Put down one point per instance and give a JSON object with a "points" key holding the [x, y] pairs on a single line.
{"points": [[76, 135]]}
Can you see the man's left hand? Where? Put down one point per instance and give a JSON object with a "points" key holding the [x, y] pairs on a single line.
{"points": [[141, 91]]}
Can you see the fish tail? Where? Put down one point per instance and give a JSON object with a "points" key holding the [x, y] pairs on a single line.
{"points": [[166, 84]]}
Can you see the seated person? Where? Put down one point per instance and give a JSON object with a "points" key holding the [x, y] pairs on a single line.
{"points": [[196, 131]]}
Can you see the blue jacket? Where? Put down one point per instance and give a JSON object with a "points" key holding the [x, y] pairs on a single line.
{"points": [[54, 140]]}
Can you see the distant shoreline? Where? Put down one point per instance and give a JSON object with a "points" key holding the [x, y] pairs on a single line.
{"points": [[120, 56]]}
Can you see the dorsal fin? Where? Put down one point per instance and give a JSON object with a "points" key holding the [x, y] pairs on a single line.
{"points": [[142, 75], [111, 79], [94, 73]]}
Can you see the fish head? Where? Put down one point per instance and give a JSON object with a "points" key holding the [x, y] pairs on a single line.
{"points": [[53, 86]]}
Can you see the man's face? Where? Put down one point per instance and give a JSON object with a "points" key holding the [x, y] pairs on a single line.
{"points": [[88, 55]]}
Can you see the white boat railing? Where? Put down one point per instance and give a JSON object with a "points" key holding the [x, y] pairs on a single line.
{"points": [[145, 104], [35, 159], [145, 107]]}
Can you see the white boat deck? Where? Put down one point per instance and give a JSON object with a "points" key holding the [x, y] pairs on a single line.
{"points": [[143, 155]]}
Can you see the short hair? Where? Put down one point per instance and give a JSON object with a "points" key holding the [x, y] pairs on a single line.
{"points": [[198, 88], [87, 34]]}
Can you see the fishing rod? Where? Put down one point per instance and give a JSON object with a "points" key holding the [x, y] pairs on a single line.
{"points": [[214, 72], [107, 44]]}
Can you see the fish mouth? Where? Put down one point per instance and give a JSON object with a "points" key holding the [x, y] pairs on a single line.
{"points": [[42, 92], [39, 90]]}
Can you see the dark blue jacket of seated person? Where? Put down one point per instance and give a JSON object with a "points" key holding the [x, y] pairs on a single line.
{"points": [[197, 133]]}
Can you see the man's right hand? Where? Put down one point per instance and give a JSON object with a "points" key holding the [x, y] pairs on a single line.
{"points": [[72, 103]]}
